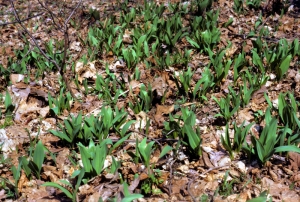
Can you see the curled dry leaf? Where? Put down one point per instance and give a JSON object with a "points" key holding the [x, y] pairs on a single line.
{"points": [[245, 115], [16, 78], [184, 169], [126, 37], [2, 194], [279, 190], [294, 160], [85, 71], [160, 111], [75, 45], [141, 120], [159, 85]]}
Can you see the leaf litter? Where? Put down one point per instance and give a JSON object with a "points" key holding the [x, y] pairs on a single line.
{"points": [[183, 178]]}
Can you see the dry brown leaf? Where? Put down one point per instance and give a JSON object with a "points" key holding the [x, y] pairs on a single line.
{"points": [[85, 71], [258, 96], [244, 115], [159, 85], [294, 159]]}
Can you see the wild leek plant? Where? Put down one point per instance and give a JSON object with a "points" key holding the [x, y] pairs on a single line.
{"points": [[189, 134], [204, 84], [144, 101], [70, 194], [226, 110], [34, 165], [93, 156], [62, 102], [234, 146], [70, 131], [265, 146], [183, 82], [221, 68], [145, 150], [288, 110], [9, 107]]}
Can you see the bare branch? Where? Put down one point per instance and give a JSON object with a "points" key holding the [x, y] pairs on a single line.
{"points": [[66, 35], [32, 37], [68, 19], [51, 14], [66, 39], [14, 22]]}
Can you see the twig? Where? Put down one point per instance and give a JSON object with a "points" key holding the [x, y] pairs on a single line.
{"points": [[118, 96], [148, 140], [66, 38], [194, 179], [14, 22], [50, 12]]}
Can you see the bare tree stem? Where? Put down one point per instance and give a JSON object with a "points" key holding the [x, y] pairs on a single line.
{"points": [[60, 68]]}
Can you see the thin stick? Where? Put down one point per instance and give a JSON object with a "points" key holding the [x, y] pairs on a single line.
{"points": [[14, 22], [194, 179], [66, 45]]}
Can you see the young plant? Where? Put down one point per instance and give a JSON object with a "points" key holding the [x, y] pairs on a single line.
{"points": [[93, 156], [183, 82], [62, 102], [253, 4], [238, 6], [226, 111], [16, 175], [234, 146], [246, 93], [279, 57], [239, 63], [34, 165], [288, 110], [204, 84], [70, 130], [9, 107], [130, 56], [70, 194], [226, 187], [221, 68], [203, 5], [128, 196], [145, 151], [205, 33], [264, 146], [150, 184], [144, 101], [188, 134]]}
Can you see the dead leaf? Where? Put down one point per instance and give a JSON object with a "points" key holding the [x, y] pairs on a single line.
{"points": [[294, 159], [85, 71], [159, 85], [258, 96]]}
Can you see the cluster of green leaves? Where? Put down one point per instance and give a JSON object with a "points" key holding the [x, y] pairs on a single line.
{"points": [[278, 56], [234, 146], [144, 101], [8, 107], [107, 88], [28, 58], [60, 103], [188, 133], [93, 127], [227, 109], [143, 152], [153, 35], [31, 164], [273, 138], [205, 34], [270, 141]]}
